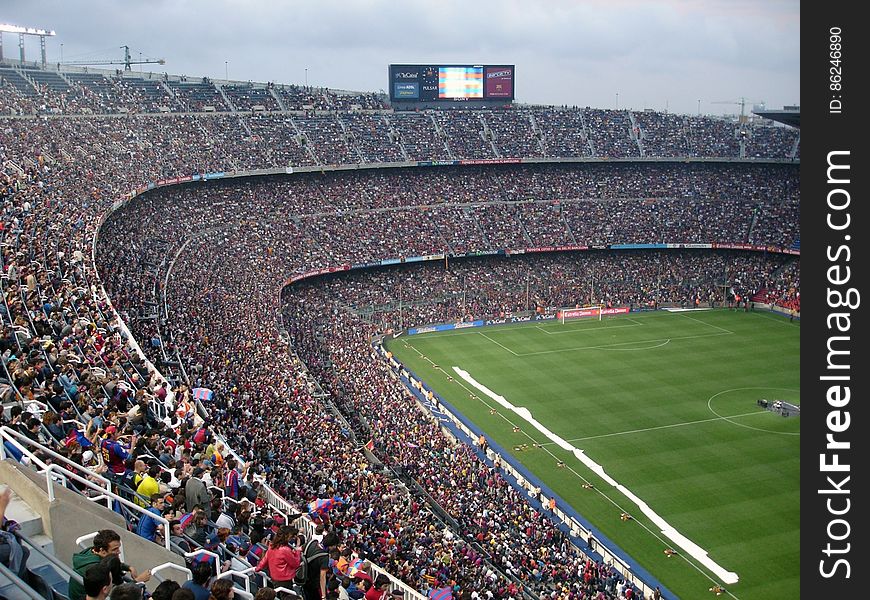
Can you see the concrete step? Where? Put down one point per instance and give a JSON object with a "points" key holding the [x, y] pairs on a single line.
{"points": [[10, 592], [36, 559], [44, 542], [30, 521]]}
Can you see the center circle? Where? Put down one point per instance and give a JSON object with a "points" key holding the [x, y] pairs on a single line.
{"points": [[739, 406]]}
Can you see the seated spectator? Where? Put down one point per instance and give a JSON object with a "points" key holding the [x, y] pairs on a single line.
{"points": [[227, 517], [184, 594], [126, 591], [265, 593], [149, 528], [180, 545], [97, 582], [106, 543], [149, 484], [222, 589], [165, 590], [13, 554], [202, 573]]}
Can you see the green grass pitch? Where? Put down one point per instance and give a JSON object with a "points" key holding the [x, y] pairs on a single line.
{"points": [[666, 403]]}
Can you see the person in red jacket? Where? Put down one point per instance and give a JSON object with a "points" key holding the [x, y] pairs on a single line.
{"points": [[379, 589], [282, 559]]}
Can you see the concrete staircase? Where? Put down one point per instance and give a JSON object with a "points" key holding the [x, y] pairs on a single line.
{"points": [[53, 526], [45, 578]]}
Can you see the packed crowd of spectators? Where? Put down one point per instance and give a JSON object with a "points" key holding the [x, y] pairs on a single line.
{"points": [[247, 97], [513, 134], [562, 131], [214, 270], [419, 136], [465, 135], [495, 287], [517, 132], [232, 245], [375, 137], [783, 288], [328, 140], [611, 133], [661, 134]]}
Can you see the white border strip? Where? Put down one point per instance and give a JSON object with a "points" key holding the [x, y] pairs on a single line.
{"points": [[691, 548]]}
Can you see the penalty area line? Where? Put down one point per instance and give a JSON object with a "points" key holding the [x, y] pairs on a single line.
{"points": [[617, 344], [645, 429]]}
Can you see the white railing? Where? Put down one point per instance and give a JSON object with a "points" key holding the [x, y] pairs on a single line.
{"points": [[307, 526], [17, 439], [246, 593], [112, 496], [214, 555], [168, 566]]}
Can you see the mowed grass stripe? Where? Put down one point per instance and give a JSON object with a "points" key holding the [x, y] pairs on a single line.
{"points": [[717, 482]]}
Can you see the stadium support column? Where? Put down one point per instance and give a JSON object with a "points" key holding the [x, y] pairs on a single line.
{"points": [[21, 46], [527, 290], [591, 288], [42, 49], [1, 47]]}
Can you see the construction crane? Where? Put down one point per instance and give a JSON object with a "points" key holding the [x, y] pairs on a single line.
{"points": [[740, 102], [126, 62]]}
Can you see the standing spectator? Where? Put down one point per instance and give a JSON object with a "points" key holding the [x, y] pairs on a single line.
{"points": [[114, 453], [232, 486], [317, 555], [281, 559], [196, 494]]}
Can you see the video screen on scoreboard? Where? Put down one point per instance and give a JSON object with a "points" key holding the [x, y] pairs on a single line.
{"points": [[432, 83]]}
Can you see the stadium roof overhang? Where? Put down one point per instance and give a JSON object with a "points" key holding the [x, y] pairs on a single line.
{"points": [[786, 116]]}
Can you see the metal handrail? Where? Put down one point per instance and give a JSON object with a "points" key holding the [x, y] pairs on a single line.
{"points": [[8, 431], [21, 585], [112, 496], [155, 571], [194, 553], [247, 584]]}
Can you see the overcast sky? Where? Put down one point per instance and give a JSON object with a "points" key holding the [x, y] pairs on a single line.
{"points": [[665, 55]]}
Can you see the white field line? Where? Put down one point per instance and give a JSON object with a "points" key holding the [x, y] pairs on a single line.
{"points": [[691, 548], [543, 448], [585, 329], [777, 319], [499, 344], [703, 323], [614, 346], [645, 429], [467, 331]]}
